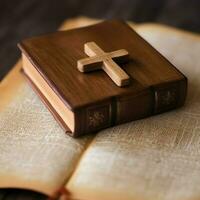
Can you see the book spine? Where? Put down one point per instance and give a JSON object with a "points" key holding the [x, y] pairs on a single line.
{"points": [[157, 99], [94, 117]]}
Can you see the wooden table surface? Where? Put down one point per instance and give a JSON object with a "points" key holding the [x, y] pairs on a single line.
{"points": [[24, 18]]}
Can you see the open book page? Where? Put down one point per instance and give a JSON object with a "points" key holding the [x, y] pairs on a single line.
{"points": [[156, 158], [35, 152]]}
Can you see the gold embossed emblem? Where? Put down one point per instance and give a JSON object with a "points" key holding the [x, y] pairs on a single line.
{"points": [[168, 97], [96, 119]]}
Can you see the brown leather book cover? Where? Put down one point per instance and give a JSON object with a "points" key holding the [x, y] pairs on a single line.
{"points": [[97, 102]]}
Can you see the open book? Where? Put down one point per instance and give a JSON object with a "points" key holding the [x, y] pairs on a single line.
{"points": [[155, 158]]}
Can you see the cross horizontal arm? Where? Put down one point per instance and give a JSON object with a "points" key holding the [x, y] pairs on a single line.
{"points": [[119, 56], [94, 62], [89, 64]]}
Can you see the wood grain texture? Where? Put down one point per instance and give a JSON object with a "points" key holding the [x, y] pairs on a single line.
{"points": [[96, 101], [55, 57]]}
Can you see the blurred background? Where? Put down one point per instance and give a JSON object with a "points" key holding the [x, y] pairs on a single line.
{"points": [[24, 18]]}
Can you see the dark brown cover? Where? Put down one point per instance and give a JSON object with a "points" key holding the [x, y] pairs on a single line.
{"points": [[156, 85]]}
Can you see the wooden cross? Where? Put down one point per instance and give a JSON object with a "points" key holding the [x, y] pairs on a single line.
{"points": [[98, 59]]}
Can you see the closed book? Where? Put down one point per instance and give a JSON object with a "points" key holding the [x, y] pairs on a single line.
{"points": [[88, 102]]}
